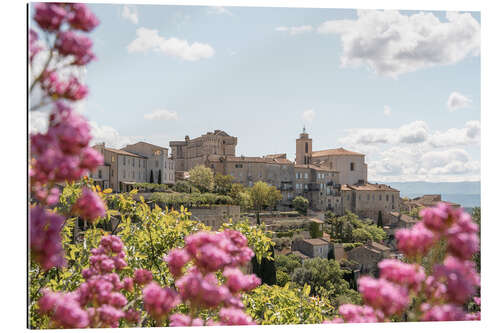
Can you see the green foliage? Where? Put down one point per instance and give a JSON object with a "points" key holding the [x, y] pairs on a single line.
{"points": [[152, 187], [350, 246], [223, 184], [265, 270], [202, 177], [287, 263], [414, 212], [275, 305], [258, 239], [325, 278], [282, 278], [350, 228], [380, 222], [183, 186], [300, 204], [189, 200], [263, 196], [314, 231]]}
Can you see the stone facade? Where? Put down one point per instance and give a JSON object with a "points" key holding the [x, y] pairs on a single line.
{"points": [[313, 248], [368, 256], [125, 168], [189, 153], [158, 162], [350, 165], [214, 216], [367, 200], [319, 185]]}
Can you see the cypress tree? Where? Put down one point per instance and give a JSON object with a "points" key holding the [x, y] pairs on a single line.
{"points": [[159, 176], [380, 223], [151, 178]]}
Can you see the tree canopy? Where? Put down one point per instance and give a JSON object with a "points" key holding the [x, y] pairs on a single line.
{"points": [[202, 177]]}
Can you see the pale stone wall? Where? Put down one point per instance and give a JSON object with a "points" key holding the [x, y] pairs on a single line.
{"points": [[158, 162], [342, 164], [369, 203], [215, 216]]}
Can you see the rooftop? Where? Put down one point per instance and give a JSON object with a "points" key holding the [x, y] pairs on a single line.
{"points": [[316, 241], [368, 187], [122, 152], [337, 152]]}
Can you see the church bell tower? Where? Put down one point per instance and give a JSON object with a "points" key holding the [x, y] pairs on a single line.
{"points": [[303, 148]]}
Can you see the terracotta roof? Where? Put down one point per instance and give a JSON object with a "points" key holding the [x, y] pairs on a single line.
{"points": [[147, 143], [368, 187], [337, 151], [122, 152], [281, 155], [315, 167], [378, 246], [246, 159], [316, 241]]}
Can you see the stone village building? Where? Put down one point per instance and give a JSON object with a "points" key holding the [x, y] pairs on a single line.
{"points": [[331, 179]]}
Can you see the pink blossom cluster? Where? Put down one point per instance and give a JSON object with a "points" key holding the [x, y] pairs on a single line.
{"points": [[99, 301], [401, 287], [45, 238], [72, 89], [89, 205], [198, 286], [51, 16], [62, 154], [70, 43], [33, 45]]}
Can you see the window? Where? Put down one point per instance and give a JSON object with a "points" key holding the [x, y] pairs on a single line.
{"points": [[100, 173], [133, 162], [348, 197], [305, 175], [380, 197], [307, 147], [297, 175], [352, 166], [113, 158], [387, 197]]}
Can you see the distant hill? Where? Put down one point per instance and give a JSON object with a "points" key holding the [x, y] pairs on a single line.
{"points": [[467, 194], [437, 188]]}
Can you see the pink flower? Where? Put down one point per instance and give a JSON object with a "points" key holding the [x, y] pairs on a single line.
{"points": [[202, 290], [445, 312], [128, 284], [433, 289], [78, 46], [460, 278], [176, 259], [383, 295], [463, 241], [71, 129], [33, 46], [142, 276], [82, 18], [440, 217], [359, 314], [89, 205], [236, 281], [158, 301], [109, 315], [64, 309], [416, 241], [179, 319], [45, 238], [405, 274], [49, 16], [132, 316], [90, 159], [230, 316]]}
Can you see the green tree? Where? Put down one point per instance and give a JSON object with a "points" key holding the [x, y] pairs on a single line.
{"points": [[263, 196], [325, 278], [202, 177], [151, 178], [350, 228], [223, 184], [300, 204], [266, 269], [314, 231], [287, 263], [159, 176], [380, 222]]}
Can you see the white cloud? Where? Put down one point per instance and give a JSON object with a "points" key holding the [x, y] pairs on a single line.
{"points": [[295, 30], [387, 110], [457, 101], [392, 44], [468, 135], [308, 116], [109, 135], [130, 13], [219, 10], [149, 39], [160, 114]]}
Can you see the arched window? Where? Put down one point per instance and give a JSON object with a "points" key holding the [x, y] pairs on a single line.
{"points": [[307, 147], [352, 166]]}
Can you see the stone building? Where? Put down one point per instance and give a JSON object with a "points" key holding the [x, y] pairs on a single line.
{"points": [[158, 162], [190, 153], [319, 185], [368, 256], [125, 168], [367, 200], [313, 248]]}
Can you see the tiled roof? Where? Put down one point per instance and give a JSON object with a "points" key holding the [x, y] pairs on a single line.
{"points": [[281, 155], [243, 159], [316, 241], [315, 167], [337, 151], [378, 246], [368, 187]]}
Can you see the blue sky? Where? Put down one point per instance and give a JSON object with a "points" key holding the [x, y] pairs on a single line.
{"points": [[401, 87]]}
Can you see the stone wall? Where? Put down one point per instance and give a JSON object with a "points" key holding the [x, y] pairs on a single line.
{"points": [[214, 216]]}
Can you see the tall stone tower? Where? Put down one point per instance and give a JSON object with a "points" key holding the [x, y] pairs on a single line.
{"points": [[303, 148]]}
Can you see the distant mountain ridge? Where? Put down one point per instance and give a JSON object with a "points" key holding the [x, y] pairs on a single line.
{"points": [[437, 187], [467, 194]]}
